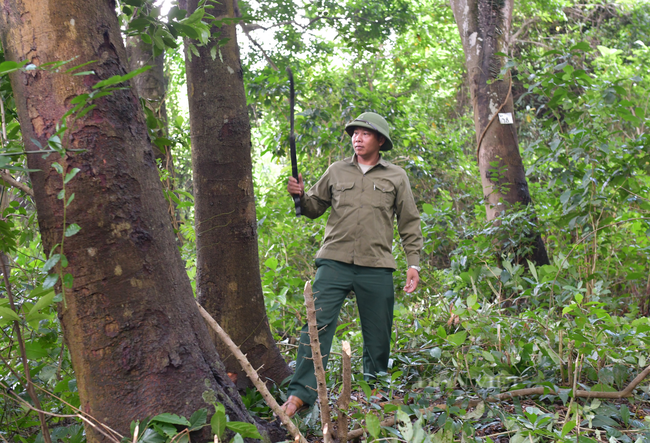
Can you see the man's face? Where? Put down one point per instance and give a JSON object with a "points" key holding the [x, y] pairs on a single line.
{"points": [[366, 142]]}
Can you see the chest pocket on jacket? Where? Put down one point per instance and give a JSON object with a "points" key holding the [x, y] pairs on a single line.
{"points": [[342, 194], [383, 194]]}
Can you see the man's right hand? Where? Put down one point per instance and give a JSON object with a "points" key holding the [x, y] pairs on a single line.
{"points": [[296, 187]]}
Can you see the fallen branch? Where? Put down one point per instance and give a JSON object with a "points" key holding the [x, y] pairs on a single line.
{"points": [[7, 178], [252, 375], [317, 358], [343, 402], [627, 392]]}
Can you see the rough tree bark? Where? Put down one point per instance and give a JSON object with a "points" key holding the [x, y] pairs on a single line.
{"points": [[138, 343], [228, 276], [484, 27]]}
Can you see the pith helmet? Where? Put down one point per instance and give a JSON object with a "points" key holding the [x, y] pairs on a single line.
{"points": [[372, 121]]}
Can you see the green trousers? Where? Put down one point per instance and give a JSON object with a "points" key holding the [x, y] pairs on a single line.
{"points": [[375, 297]]}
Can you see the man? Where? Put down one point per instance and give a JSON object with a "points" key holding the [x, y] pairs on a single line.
{"points": [[366, 193]]}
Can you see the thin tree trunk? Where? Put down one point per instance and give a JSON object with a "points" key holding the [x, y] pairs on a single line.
{"points": [[138, 344], [484, 28], [228, 276], [150, 85]]}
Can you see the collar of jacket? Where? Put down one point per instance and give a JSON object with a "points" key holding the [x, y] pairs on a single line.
{"points": [[353, 160]]}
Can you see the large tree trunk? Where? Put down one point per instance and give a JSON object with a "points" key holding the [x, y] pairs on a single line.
{"points": [[138, 344], [484, 27], [228, 277]]}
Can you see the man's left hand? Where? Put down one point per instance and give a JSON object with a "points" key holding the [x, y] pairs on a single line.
{"points": [[412, 280]]}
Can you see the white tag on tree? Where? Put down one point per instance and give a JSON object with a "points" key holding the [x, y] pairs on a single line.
{"points": [[505, 118]]}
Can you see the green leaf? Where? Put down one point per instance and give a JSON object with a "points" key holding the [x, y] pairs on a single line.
{"points": [[246, 430], [569, 308], [58, 168], [582, 46], [366, 388], [428, 209], [8, 66], [36, 142], [218, 420], [69, 70], [72, 230], [68, 280], [441, 332], [176, 13], [114, 80], [195, 17], [54, 142], [79, 99], [163, 141], [85, 111], [458, 338], [388, 408], [50, 281], [565, 196], [600, 421], [8, 314], [69, 200], [171, 419], [158, 42], [568, 427], [579, 297], [373, 425], [151, 436], [187, 30], [42, 303], [404, 425], [625, 415], [146, 38], [620, 375], [70, 175], [35, 350], [271, 263], [51, 262], [198, 419], [139, 24], [603, 387]]}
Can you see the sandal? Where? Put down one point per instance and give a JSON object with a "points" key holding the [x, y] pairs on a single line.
{"points": [[293, 405]]}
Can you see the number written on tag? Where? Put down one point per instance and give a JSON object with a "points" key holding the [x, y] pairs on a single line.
{"points": [[505, 118]]}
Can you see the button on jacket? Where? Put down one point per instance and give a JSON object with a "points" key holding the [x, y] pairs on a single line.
{"points": [[360, 227]]}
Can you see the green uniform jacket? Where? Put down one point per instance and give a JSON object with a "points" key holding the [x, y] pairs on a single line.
{"points": [[360, 227]]}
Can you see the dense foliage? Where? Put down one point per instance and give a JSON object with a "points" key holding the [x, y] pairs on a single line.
{"points": [[482, 322]]}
